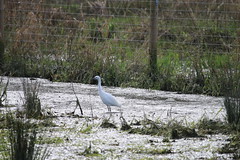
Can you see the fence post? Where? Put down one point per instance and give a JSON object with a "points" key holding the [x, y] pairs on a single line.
{"points": [[1, 33], [153, 39]]}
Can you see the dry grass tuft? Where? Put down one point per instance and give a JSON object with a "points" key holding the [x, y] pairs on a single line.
{"points": [[32, 104]]}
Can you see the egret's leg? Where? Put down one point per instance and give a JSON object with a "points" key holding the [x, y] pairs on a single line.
{"points": [[110, 109], [121, 112]]}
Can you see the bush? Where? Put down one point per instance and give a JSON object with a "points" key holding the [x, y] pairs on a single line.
{"points": [[3, 92], [22, 137], [32, 104], [232, 105]]}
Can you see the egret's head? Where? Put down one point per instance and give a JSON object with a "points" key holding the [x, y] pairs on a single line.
{"points": [[97, 78]]}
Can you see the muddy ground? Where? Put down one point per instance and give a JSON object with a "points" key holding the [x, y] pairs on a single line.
{"points": [[74, 135]]}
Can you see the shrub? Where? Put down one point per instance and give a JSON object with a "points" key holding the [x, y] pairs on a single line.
{"points": [[22, 137], [232, 105], [32, 104], [3, 92]]}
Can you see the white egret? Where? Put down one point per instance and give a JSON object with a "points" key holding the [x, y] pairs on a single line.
{"points": [[107, 98]]}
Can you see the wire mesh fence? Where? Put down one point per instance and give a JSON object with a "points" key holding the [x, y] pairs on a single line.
{"points": [[211, 26], [116, 32], [45, 24]]}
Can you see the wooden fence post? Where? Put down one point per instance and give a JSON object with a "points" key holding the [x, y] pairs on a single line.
{"points": [[153, 39], [1, 33]]}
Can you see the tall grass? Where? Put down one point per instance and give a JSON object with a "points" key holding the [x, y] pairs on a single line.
{"points": [[1, 54], [32, 103], [22, 138], [232, 105], [21, 134], [3, 92]]}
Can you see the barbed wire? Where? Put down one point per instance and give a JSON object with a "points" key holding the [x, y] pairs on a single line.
{"points": [[62, 45], [148, 1], [161, 26], [75, 29], [146, 9], [123, 16], [143, 33], [163, 50], [85, 37], [116, 8]]}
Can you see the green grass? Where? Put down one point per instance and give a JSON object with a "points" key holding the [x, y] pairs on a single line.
{"points": [[232, 106], [152, 151], [21, 139], [89, 152], [208, 126], [3, 92], [232, 147], [50, 140], [4, 147], [86, 129], [171, 129], [174, 129]]}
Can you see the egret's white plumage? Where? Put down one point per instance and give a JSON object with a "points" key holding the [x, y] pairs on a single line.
{"points": [[107, 98]]}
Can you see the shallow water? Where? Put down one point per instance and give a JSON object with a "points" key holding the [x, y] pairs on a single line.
{"points": [[59, 99]]}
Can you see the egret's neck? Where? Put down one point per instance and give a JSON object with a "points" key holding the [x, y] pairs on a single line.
{"points": [[99, 85]]}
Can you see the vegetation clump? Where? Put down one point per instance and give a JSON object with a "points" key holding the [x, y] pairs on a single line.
{"points": [[232, 147], [183, 132], [32, 104], [172, 129], [153, 151], [232, 106], [86, 129], [124, 125], [89, 152], [107, 124], [176, 130], [3, 92], [22, 137], [50, 140], [208, 126]]}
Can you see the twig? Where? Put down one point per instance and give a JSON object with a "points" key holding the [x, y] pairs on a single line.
{"points": [[3, 95], [77, 102]]}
